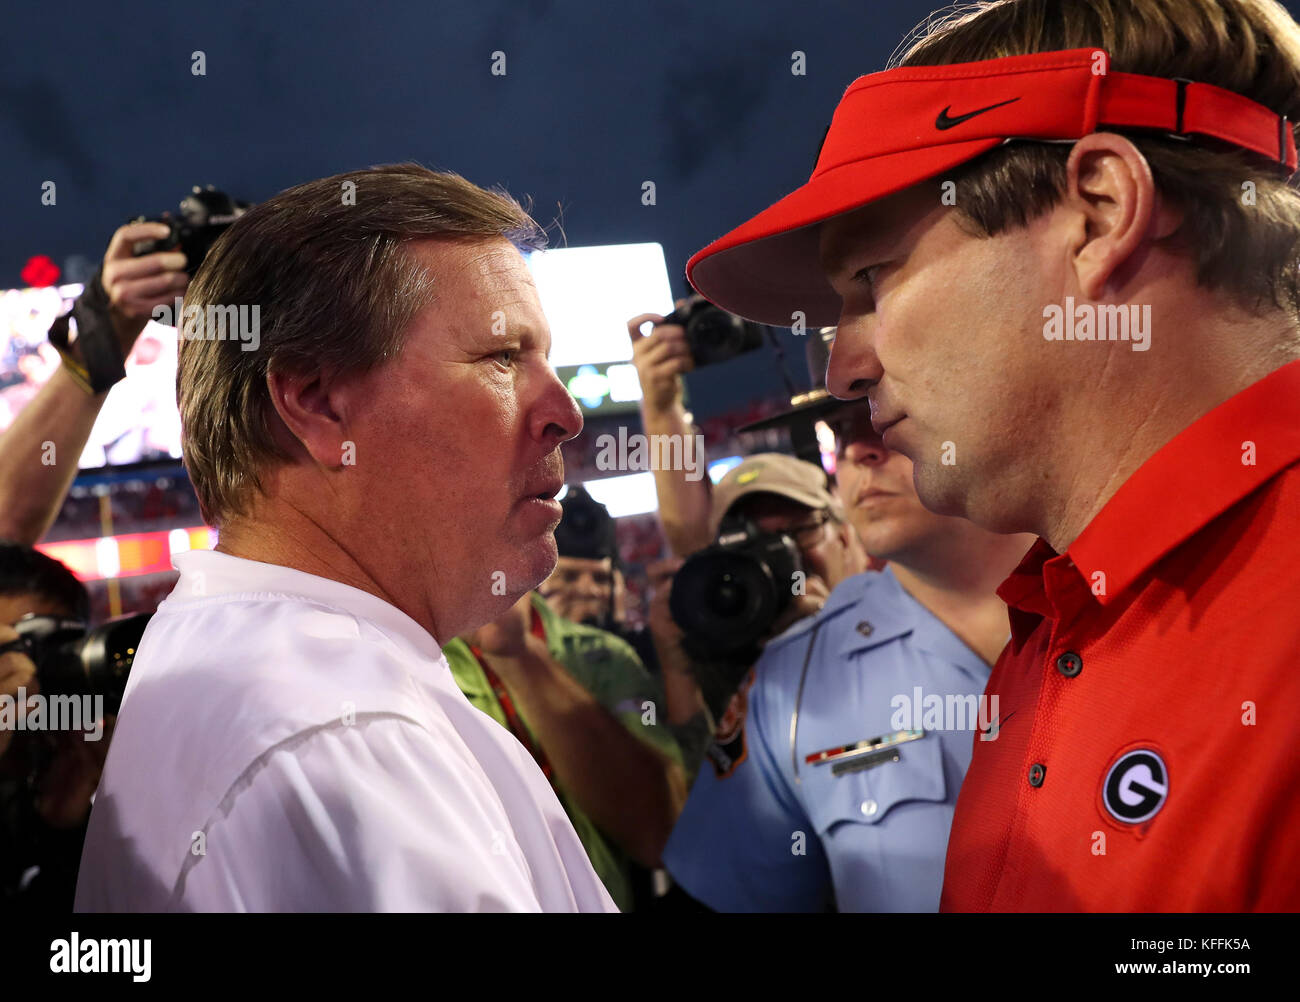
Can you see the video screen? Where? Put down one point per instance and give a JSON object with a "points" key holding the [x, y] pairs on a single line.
{"points": [[589, 294], [139, 420]]}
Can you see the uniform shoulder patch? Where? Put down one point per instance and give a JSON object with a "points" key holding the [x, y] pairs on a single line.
{"points": [[727, 749]]}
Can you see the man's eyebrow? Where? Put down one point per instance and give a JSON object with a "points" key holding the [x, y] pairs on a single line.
{"points": [[854, 242]]}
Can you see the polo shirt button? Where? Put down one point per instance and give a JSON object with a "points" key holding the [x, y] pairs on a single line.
{"points": [[869, 807], [1037, 772], [1069, 664]]}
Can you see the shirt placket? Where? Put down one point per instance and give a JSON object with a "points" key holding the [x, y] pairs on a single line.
{"points": [[1061, 661]]}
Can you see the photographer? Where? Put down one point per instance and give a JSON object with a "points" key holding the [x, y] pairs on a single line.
{"points": [[63, 412], [776, 493], [773, 495], [46, 778]]}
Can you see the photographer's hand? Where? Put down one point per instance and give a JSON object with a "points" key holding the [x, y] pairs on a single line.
{"points": [[807, 604], [40, 450], [660, 358], [135, 285], [63, 797], [17, 672]]}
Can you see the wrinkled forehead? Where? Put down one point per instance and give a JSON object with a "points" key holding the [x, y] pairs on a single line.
{"points": [[489, 268]]}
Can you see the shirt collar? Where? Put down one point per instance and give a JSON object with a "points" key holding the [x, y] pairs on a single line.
{"points": [[546, 624], [1025, 593], [1198, 475], [208, 573]]}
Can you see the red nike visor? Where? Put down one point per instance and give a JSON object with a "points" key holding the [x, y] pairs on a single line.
{"points": [[894, 129]]}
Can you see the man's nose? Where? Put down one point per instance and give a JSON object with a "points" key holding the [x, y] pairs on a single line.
{"points": [[853, 367], [866, 452], [555, 416]]}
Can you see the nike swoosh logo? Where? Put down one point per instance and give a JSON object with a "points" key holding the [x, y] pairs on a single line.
{"points": [[996, 726], [945, 121]]}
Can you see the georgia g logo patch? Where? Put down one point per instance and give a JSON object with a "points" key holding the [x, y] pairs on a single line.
{"points": [[1136, 787]]}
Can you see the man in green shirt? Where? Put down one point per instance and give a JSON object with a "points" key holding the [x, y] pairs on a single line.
{"points": [[581, 702]]}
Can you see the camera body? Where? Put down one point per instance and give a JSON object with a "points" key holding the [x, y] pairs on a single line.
{"points": [[726, 597], [205, 214], [714, 335], [72, 660]]}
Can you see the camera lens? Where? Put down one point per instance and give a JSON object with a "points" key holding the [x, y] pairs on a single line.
{"points": [[729, 599]]}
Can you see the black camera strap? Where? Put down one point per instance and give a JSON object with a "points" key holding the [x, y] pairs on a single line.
{"points": [[94, 360]]}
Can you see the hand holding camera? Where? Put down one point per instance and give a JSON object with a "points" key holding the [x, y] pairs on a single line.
{"points": [[660, 358], [135, 285]]}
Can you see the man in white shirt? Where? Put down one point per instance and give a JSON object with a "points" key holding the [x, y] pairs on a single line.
{"points": [[381, 457]]}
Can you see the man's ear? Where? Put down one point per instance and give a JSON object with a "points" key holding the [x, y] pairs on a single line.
{"points": [[1110, 188], [308, 404]]}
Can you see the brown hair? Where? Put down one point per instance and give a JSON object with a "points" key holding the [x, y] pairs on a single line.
{"points": [[1251, 47], [336, 290]]}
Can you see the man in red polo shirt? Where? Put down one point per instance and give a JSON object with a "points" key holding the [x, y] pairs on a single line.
{"points": [[1063, 252]]}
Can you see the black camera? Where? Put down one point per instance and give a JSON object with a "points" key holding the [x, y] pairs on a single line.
{"points": [[713, 334], [74, 661], [204, 215], [726, 597]]}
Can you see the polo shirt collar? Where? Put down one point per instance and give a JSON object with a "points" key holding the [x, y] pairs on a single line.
{"points": [[553, 626], [208, 573], [1199, 474]]}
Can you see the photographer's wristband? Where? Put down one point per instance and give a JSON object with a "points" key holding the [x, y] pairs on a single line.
{"points": [[95, 360]]}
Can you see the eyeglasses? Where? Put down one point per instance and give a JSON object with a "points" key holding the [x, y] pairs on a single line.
{"points": [[809, 534]]}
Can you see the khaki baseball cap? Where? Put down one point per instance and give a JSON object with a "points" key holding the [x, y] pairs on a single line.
{"points": [[773, 473]]}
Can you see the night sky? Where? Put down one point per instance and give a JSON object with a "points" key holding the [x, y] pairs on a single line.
{"points": [[597, 98]]}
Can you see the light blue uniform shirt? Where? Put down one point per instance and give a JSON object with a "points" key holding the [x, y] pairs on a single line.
{"points": [[779, 834]]}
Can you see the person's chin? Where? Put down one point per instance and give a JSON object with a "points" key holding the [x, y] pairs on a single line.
{"points": [[888, 539], [939, 489], [532, 529], [538, 556]]}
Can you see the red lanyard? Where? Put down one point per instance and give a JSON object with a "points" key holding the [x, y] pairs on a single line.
{"points": [[513, 720]]}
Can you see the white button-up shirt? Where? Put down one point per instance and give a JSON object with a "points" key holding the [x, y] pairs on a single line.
{"points": [[290, 743]]}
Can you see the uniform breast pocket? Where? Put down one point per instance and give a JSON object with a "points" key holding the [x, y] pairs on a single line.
{"points": [[871, 795]]}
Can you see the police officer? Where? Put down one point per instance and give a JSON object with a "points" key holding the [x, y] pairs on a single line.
{"points": [[860, 719]]}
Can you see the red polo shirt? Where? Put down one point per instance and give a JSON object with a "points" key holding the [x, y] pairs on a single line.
{"points": [[1148, 752]]}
